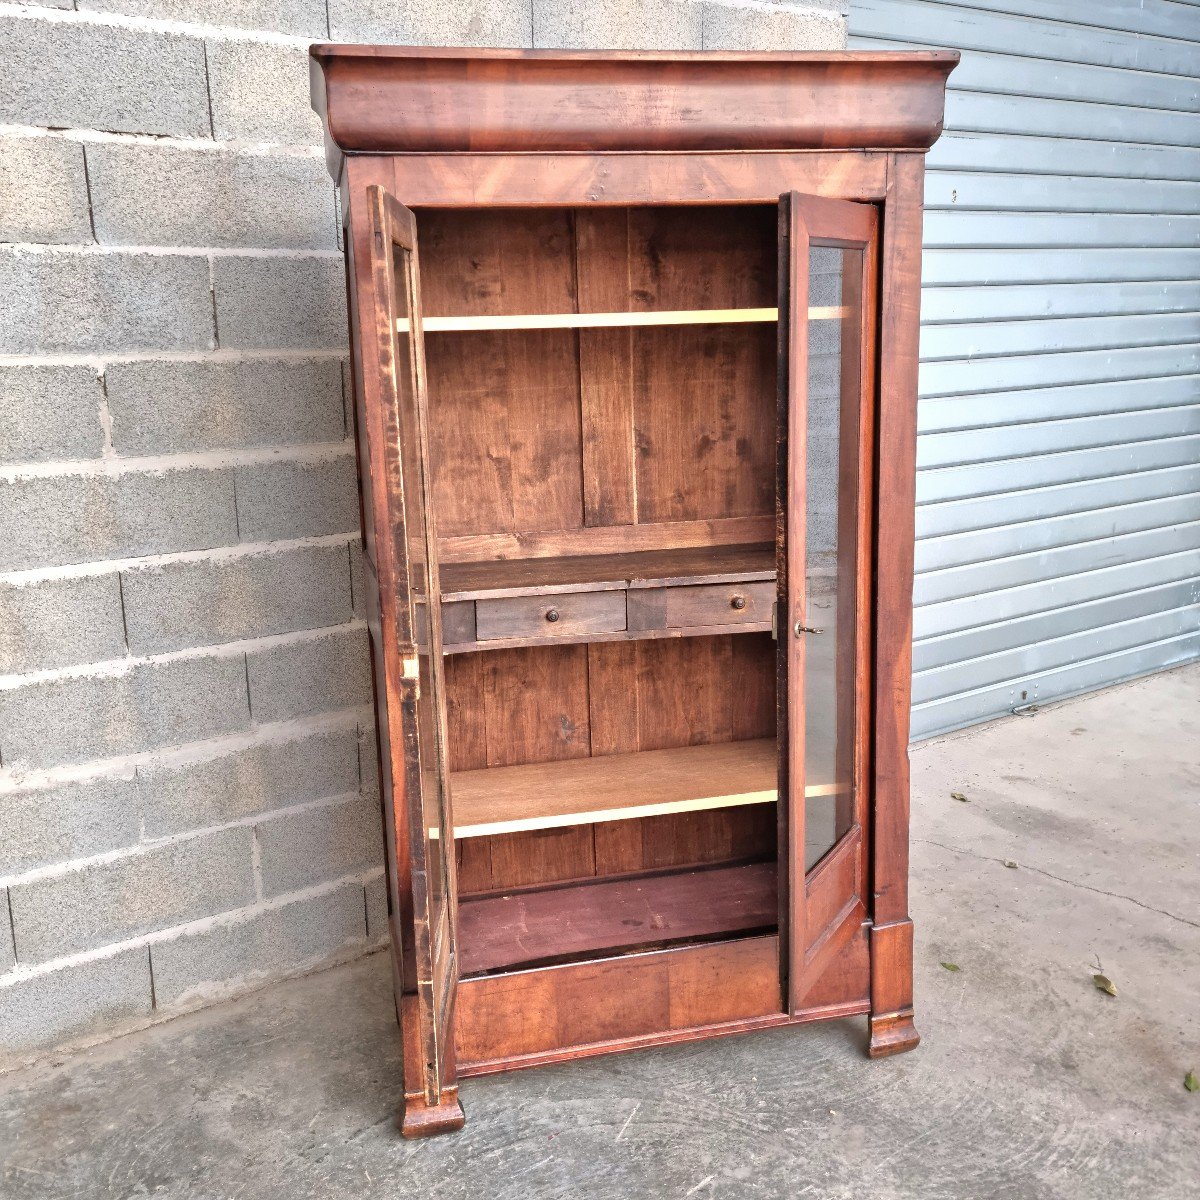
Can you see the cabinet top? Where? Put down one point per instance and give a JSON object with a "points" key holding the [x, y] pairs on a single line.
{"points": [[401, 99]]}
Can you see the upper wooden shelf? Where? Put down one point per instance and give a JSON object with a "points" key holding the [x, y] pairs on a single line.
{"points": [[618, 787], [616, 320], [607, 572]]}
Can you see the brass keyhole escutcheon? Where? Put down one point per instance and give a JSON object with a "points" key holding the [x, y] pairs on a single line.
{"points": [[552, 615], [738, 602]]}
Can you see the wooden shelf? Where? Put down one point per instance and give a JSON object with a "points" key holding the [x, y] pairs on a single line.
{"points": [[537, 928], [617, 787], [607, 572], [614, 320]]}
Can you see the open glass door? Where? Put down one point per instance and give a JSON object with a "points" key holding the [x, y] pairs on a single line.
{"points": [[827, 335], [410, 689]]}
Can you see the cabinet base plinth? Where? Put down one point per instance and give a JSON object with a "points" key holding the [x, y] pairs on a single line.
{"points": [[418, 1119], [892, 1033]]}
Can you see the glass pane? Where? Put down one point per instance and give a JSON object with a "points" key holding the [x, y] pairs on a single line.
{"points": [[831, 545], [436, 844]]}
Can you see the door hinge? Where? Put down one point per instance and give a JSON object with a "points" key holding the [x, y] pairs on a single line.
{"points": [[411, 670]]}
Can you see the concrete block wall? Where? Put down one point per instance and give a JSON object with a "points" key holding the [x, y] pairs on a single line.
{"points": [[188, 796]]}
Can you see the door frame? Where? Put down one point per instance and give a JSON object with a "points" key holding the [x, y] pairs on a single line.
{"points": [[425, 970], [822, 909]]}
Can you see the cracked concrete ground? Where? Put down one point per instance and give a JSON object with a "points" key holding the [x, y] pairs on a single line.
{"points": [[1030, 1083]]}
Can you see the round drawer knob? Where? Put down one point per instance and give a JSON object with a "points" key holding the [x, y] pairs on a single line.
{"points": [[552, 615], [738, 602]]}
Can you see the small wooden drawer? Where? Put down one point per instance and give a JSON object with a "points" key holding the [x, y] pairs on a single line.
{"points": [[702, 606], [562, 614]]}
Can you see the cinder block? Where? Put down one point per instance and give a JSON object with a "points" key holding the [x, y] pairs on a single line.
{"points": [[75, 1001], [260, 93], [322, 675], [303, 17], [214, 791], [123, 898], [62, 301], [618, 25], [61, 519], [152, 705], [298, 850], [49, 413], [289, 499], [205, 603], [74, 820], [431, 22], [43, 191], [60, 622], [73, 75], [172, 407], [357, 580], [8, 952], [167, 196], [278, 303], [377, 909], [347, 399], [274, 943], [736, 27], [368, 759]]}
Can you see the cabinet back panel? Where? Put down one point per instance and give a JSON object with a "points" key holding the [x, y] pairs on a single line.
{"points": [[709, 256], [704, 421], [506, 441], [496, 262], [546, 703], [536, 431]]}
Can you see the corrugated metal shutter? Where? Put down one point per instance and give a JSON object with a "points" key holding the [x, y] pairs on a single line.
{"points": [[1058, 493]]}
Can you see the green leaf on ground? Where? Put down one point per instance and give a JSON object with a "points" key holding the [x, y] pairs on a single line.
{"points": [[1191, 1082], [952, 966], [1104, 984], [1008, 862], [958, 796]]}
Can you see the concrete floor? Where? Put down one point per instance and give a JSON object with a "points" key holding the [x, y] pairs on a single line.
{"points": [[1029, 1083]]}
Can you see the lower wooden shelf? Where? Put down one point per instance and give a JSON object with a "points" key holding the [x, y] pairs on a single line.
{"points": [[618, 787], [603, 918], [613, 787]]}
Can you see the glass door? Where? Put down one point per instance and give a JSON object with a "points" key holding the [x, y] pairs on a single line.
{"points": [[827, 335], [407, 634]]}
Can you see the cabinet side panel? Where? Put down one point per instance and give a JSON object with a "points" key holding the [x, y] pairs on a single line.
{"points": [[891, 968], [897, 436]]}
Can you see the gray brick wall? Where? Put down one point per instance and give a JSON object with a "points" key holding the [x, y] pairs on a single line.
{"points": [[188, 789]]}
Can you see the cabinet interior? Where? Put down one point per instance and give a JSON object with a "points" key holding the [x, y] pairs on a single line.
{"points": [[602, 399]]}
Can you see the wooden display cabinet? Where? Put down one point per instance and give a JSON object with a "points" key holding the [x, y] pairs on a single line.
{"points": [[634, 390]]}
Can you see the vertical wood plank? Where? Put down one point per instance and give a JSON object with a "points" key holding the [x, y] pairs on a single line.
{"points": [[605, 361], [613, 697], [537, 705], [683, 697]]}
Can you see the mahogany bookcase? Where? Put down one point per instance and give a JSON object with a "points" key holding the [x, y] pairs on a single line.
{"points": [[634, 348]]}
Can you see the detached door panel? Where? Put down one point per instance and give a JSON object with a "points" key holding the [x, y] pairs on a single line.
{"points": [[828, 266], [406, 637]]}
